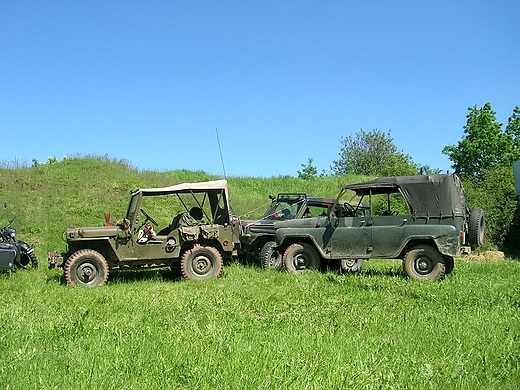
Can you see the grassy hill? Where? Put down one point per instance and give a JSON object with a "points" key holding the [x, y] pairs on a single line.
{"points": [[252, 328], [48, 198]]}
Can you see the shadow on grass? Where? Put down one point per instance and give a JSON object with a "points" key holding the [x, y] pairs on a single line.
{"points": [[333, 275], [131, 276]]}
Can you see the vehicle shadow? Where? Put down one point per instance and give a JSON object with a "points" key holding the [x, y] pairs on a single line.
{"points": [[131, 276], [335, 275]]}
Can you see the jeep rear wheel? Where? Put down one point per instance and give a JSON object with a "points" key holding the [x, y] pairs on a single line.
{"points": [[424, 262], [449, 264], [201, 262], [301, 257], [86, 267], [352, 265], [270, 257]]}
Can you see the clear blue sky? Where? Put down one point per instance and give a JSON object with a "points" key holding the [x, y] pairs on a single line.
{"points": [[283, 81]]}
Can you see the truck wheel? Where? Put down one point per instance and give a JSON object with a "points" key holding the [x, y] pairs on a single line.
{"points": [[300, 257], [352, 265], [86, 267], [201, 262], [270, 257], [424, 262], [449, 264], [476, 227]]}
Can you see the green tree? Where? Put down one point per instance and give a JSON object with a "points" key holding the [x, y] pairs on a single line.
{"points": [[513, 131], [309, 171], [494, 192], [484, 144], [372, 154]]}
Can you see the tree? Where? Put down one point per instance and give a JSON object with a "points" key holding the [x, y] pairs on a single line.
{"points": [[309, 171], [513, 131], [372, 154], [484, 144]]}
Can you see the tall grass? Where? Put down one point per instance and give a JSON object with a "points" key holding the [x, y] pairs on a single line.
{"points": [[251, 328]]}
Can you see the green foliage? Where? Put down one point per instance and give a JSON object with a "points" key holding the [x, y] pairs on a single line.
{"points": [[372, 153], [263, 329], [309, 171], [494, 192], [485, 145]]}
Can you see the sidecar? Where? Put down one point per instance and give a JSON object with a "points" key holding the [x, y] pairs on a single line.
{"points": [[9, 255]]}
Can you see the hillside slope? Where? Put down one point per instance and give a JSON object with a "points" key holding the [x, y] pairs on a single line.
{"points": [[48, 198]]}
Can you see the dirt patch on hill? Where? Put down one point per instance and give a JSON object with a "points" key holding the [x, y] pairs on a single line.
{"points": [[487, 255]]}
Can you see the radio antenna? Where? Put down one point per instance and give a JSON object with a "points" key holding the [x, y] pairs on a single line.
{"points": [[220, 151]]}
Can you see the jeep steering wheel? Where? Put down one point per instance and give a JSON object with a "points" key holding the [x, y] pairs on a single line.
{"points": [[148, 218], [350, 208]]}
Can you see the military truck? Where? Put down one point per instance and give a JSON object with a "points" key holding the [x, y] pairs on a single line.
{"points": [[423, 220], [258, 235], [198, 233]]}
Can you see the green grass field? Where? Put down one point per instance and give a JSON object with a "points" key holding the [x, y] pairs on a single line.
{"points": [[256, 328], [249, 329]]}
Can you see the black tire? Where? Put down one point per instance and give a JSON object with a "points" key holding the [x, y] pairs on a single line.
{"points": [[477, 226], [352, 265], [270, 257], [301, 257], [424, 262], [27, 256], [201, 262], [86, 267], [449, 264], [26, 259]]}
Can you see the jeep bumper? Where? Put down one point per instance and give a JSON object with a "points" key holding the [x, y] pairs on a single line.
{"points": [[55, 259]]}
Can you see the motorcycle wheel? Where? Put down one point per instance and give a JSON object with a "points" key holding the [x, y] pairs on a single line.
{"points": [[26, 259]]}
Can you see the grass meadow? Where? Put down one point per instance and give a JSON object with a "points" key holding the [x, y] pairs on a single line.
{"points": [[264, 329], [249, 329]]}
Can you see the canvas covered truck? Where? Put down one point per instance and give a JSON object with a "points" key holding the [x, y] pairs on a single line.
{"points": [[423, 220], [188, 225]]}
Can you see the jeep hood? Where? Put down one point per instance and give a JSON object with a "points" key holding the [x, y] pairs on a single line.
{"points": [[427, 195]]}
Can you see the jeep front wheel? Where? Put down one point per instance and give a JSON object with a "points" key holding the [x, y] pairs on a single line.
{"points": [[424, 262], [270, 257], [301, 257], [201, 262], [86, 267]]}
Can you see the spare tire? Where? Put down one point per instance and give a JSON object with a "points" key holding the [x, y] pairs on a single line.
{"points": [[476, 227]]}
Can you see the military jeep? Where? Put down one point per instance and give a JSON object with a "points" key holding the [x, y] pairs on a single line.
{"points": [[198, 232], [423, 220], [258, 235]]}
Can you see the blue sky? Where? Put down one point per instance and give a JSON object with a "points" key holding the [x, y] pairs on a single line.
{"points": [[282, 81]]}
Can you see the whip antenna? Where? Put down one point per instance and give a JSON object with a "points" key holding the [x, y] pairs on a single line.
{"points": [[221, 158]]}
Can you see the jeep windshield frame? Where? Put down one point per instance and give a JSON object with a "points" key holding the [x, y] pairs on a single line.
{"points": [[427, 196], [215, 192]]}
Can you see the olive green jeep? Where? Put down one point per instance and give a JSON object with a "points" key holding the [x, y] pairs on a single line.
{"points": [[423, 220], [258, 235], [198, 232]]}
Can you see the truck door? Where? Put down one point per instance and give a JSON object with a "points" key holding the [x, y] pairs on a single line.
{"points": [[389, 234], [351, 237]]}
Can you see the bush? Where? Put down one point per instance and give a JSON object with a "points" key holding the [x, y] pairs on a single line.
{"points": [[495, 194]]}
